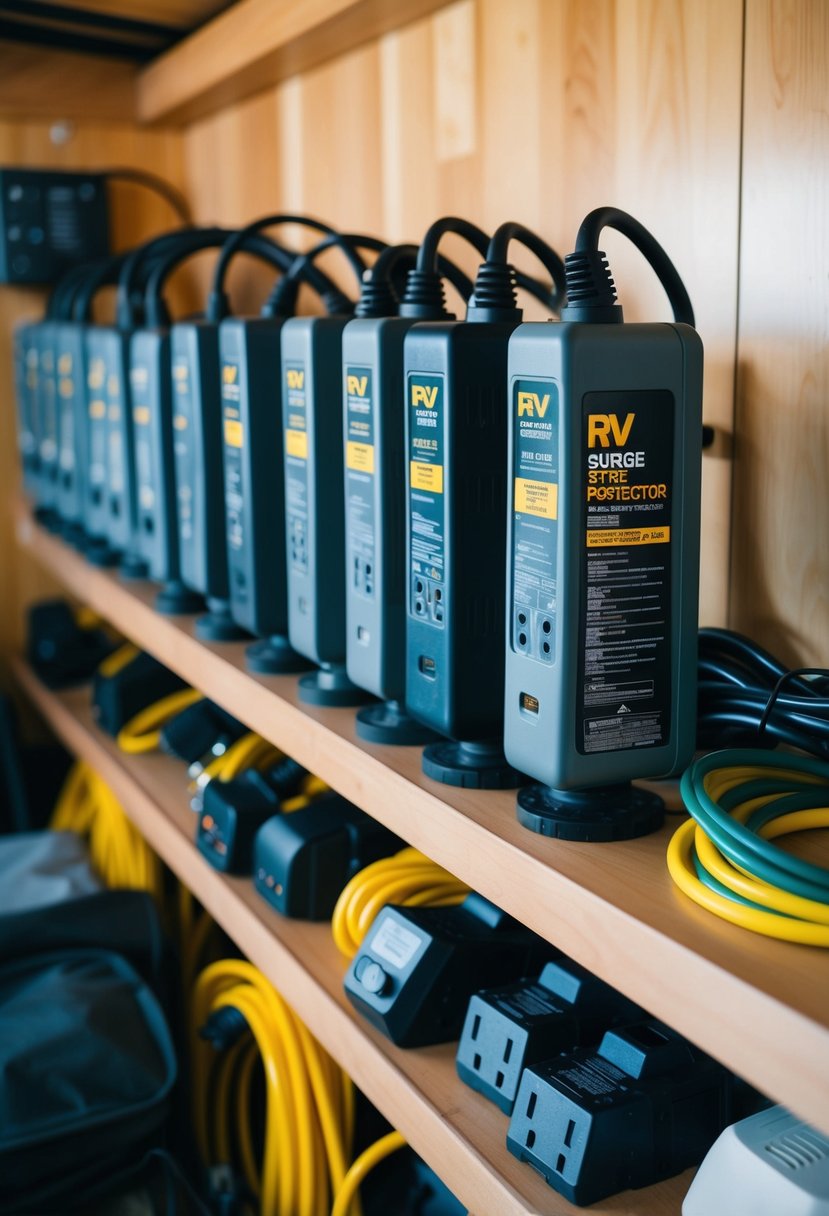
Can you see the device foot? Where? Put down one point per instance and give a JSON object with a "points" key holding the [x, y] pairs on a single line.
{"points": [[132, 568], [274, 656], [611, 812], [388, 722], [217, 625], [476, 766], [100, 553], [174, 599], [331, 686]]}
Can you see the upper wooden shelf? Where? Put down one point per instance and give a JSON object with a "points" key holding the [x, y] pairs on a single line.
{"points": [[256, 44], [760, 1006], [462, 1136]]}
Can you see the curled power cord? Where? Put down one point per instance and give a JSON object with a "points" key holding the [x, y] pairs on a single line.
{"points": [[150, 181], [591, 292], [495, 297], [408, 878], [362, 1166], [748, 698], [723, 858], [238, 1021], [119, 852], [282, 300]]}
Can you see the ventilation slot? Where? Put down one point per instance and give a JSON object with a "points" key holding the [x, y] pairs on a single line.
{"points": [[799, 1149]]}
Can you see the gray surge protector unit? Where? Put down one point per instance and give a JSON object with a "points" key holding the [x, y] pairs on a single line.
{"points": [[314, 511], [70, 356], [25, 355], [47, 415], [95, 485], [603, 552]]}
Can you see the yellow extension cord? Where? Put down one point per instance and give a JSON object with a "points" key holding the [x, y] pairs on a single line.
{"points": [[119, 853], [781, 914], [309, 1098], [143, 732], [407, 878]]}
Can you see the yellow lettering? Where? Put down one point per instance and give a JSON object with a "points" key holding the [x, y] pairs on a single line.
{"points": [[357, 385], [600, 427], [531, 404], [421, 395], [296, 379]]}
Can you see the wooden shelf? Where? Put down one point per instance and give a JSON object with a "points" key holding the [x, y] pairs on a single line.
{"points": [[457, 1132], [256, 44], [760, 1006]]}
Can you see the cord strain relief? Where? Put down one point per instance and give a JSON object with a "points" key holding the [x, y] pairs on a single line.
{"points": [[376, 299], [223, 1028], [425, 296], [591, 291]]}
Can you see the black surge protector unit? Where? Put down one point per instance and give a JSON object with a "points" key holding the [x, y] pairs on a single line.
{"points": [[49, 222], [456, 472]]}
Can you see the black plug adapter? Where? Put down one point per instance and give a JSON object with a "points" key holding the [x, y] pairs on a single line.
{"points": [[508, 1029], [643, 1107], [232, 814], [303, 860], [417, 968], [117, 696]]}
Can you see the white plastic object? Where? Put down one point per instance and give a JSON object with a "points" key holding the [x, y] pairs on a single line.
{"points": [[42, 868], [771, 1164]]}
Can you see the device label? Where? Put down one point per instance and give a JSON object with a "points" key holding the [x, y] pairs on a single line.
{"points": [[593, 1077], [27, 365], [394, 943], [535, 472], [140, 384], [234, 439], [183, 450], [427, 527], [624, 623], [116, 457], [296, 465], [359, 479], [530, 1002]]}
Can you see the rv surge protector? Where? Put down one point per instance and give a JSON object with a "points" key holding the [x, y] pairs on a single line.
{"points": [[70, 364], [603, 568], [314, 504], [251, 388]]}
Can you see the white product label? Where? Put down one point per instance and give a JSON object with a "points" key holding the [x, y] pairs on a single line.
{"points": [[395, 944]]}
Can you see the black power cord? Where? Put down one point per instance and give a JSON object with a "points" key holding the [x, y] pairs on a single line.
{"points": [[591, 291], [748, 698], [140, 177], [282, 300], [495, 297]]}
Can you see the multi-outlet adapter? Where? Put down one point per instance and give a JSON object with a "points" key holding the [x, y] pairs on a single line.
{"points": [[602, 562], [50, 221], [642, 1107], [508, 1029], [199, 473], [152, 421], [254, 478], [314, 504]]}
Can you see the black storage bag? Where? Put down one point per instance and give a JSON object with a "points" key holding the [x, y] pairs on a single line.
{"points": [[86, 1072]]}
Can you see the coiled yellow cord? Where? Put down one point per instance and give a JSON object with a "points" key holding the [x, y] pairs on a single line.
{"points": [[364, 1164], [143, 732], [406, 878], [119, 853], [309, 1099]]}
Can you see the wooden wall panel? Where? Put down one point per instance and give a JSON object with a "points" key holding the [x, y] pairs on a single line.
{"points": [[136, 214], [780, 578], [535, 110]]}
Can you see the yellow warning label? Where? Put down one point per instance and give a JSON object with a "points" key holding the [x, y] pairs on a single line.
{"points": [[296, 444], [233, 433], [426, 476], [180, 422], [141, 415], [536, 498], [360, 457], [606, 538], [97, 409]]}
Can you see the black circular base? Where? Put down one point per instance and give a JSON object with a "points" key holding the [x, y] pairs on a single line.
{"points": [[217, 625], [274, 656], [133, 568], [611, 812], [100, 553], [388, 722], [174, 599], [331, 686], [476, 766]]}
